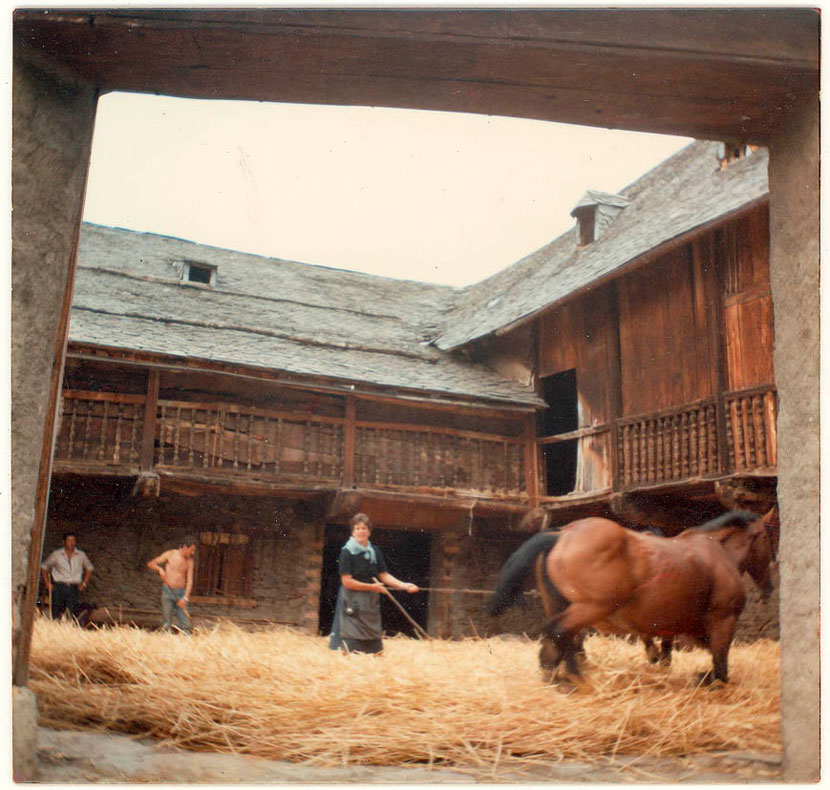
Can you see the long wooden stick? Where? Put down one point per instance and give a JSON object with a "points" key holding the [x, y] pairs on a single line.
{"points": [[467, 591], [403, 611]]}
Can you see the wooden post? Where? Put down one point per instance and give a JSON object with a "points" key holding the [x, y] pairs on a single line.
{"points": [[704, 255], [531, 461], [148, 433], [349, 432], [614, 378]]}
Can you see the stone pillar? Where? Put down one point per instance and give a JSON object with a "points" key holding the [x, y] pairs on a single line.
{"points": [[794, 273], [53, 117], [52, 121]]}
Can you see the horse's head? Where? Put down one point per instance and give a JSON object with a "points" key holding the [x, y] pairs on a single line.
{"points": [[745, 538], [759, 555]]}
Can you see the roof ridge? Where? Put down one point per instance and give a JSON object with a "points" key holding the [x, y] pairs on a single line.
{"points": [[270, 258]]}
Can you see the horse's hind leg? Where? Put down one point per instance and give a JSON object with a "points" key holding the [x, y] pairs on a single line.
{"points": [[665, 651], [661, 656], [719, 641], [564, 636]]}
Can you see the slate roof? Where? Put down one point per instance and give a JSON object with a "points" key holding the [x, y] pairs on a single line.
{"points": [[685, 192], [315, 321], [275, 314]]}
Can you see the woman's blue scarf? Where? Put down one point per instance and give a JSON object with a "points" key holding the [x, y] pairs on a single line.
{"points": [[354, 547]]}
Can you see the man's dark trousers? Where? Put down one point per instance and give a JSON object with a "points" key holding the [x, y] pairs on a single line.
{"points": [[64, 596]]}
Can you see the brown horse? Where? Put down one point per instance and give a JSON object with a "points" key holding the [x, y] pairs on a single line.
{"points": [[594, 572]]}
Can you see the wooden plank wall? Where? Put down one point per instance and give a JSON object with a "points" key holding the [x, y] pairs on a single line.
{"points": [[744, 248], [576, 336], [665, 354]]}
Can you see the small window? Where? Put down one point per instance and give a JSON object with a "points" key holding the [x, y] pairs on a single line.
{"points": [[223, 566], [199, 273], [585, 226]]}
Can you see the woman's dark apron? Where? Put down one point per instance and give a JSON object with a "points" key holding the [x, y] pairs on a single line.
{"points": [[357, 622]]}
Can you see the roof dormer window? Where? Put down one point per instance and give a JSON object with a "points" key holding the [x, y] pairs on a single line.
{"points": [[731, 151], [594, 213], [199, 274]]}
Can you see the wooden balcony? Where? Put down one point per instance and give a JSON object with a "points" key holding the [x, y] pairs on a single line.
{"points": [[101, 433], [687, 443]]}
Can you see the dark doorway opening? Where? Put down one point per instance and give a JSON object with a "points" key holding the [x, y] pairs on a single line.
{"points": [[407, 556], [561, 416]]}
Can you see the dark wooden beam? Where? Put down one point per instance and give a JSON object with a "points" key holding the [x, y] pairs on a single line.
{"points": [[614, 377], [349, 441], [694, 72], [148, 432]]}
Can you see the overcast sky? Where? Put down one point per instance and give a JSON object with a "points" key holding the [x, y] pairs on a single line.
{"points": [[439, 197]]}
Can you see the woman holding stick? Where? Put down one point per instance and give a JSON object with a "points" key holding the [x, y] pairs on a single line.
{"points": [[357, 626]]}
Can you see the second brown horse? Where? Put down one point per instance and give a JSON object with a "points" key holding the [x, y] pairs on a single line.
{"points": [[594, 572]]}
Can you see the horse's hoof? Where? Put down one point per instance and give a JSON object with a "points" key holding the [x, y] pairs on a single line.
{"points": [[709, 679]]}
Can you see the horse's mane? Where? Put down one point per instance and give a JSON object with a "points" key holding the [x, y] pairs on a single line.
{"points": [[737, 518]]}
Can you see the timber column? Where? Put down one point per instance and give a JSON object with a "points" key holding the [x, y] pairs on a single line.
{"points": [[446, 548]]}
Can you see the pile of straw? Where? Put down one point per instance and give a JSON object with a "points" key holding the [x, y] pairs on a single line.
{"points": [[477, 703]]}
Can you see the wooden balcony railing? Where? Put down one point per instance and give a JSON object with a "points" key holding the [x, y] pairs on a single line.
{"points": [[414, 457], [226, 438], [682, 443], [100, 429], [104, 430], [751, 437], [670, 445]]}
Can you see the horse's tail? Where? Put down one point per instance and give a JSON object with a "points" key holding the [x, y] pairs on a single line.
{"points": [[513, 573]]}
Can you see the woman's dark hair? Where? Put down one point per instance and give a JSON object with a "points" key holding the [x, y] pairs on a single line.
{"points": [[359, 518]]}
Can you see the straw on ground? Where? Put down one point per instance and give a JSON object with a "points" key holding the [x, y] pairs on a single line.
{"points": [[281, 694]]}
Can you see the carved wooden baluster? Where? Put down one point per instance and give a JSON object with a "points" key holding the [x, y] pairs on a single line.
{"points": [[714, 465], [771, 430], [737, 437], [747, 428], [277, 445], [190, 437], [643, 441], [162, 429], [116, 450], [72, 419], [134, 453], [206, 443], [102, 436], [87, 429], [235, 441], [758, 431], [177, 435]]}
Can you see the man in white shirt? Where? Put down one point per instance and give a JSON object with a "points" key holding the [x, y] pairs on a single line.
{"points": [[66, 574]]}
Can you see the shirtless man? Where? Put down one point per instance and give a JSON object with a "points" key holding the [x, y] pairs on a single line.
{"points": [[175, 568]]}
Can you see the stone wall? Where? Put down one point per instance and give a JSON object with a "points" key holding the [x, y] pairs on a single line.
{"points": [[122, 534], [759, 619], [464, 561]]}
